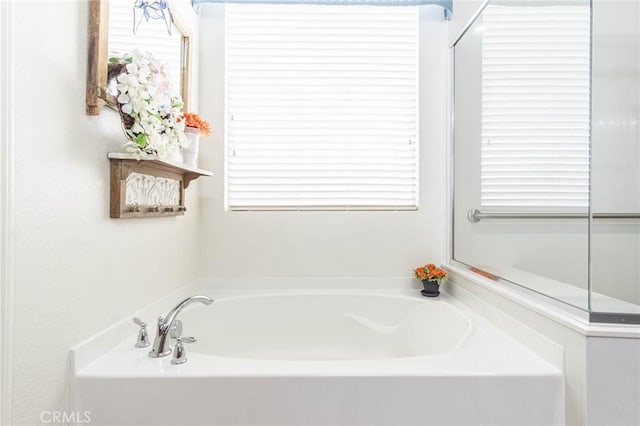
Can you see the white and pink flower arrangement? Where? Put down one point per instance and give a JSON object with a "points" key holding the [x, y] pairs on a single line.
{"points": [[150, 110]]}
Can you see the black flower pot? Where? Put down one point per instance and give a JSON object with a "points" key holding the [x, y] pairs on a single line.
{"points": [[431, 288]]}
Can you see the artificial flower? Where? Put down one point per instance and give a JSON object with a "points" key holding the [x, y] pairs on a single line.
{"points": [[430, 272], [151, 111], [195, 121]]}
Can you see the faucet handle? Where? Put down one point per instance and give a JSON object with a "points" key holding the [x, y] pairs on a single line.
{"points": [[179, 353], [143, 336], [176, 330]]}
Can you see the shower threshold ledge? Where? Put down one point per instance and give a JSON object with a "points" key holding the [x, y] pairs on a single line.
{"points": [[596, 324]]}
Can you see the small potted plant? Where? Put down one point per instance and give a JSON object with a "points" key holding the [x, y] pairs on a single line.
{"points": [[194, 127], [431, 277]]}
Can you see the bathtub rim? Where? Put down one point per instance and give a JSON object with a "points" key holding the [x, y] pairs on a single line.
{"points": [[94, 358]]}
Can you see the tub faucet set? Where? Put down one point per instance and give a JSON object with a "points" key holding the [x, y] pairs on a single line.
{"points": [[143, 336], [169, 326]]}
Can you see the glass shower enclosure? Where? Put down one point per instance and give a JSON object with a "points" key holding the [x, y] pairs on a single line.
{"points": [[546, 151]]}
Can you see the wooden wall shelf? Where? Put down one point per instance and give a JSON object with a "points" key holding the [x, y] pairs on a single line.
{"points": [[149, 187]]}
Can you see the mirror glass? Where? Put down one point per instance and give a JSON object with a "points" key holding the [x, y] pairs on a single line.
{"points": [[150, 35], [111, 32]]}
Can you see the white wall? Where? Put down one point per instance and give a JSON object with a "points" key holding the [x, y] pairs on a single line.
{"points": [[616, 147], [296, 244], [559, 249], [76, 270]]}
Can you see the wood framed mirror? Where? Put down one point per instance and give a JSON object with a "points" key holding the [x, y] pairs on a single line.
{"points": [[173, 49]]}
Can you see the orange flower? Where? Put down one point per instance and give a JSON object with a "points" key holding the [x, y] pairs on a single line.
{"points": [[430, 272], [197, 122]]}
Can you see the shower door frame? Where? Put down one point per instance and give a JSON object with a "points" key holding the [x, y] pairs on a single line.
{"points": [[593, 317]]}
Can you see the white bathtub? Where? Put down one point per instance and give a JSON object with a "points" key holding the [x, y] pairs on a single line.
{"points": [[326, 358], [324, 327]]}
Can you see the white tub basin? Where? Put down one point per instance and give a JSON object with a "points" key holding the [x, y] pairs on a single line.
{"points": [[326, 327]]}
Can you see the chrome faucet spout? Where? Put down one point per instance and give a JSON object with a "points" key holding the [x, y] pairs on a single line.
{"points": [[173, 313], [160, 347]]}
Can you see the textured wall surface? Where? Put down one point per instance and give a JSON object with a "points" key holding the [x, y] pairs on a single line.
{"points": [[76, 270]]}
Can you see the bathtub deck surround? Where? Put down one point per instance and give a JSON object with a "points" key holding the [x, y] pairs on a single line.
{"points": [[125, 331], [597, 391], [287, 356]]}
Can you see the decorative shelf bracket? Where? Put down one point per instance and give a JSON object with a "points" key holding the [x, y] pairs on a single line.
{"points": [[149, 187]]}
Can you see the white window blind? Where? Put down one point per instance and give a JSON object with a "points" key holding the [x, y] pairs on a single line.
{"points": [[322, 107], [151, 36], [535, 106]]}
